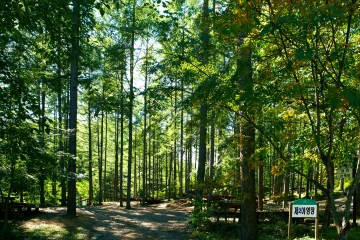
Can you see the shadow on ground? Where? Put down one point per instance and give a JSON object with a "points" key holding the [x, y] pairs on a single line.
{"points": [[108, 221]]}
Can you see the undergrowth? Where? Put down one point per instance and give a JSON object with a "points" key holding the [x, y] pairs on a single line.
{"points": [[203, 228]]}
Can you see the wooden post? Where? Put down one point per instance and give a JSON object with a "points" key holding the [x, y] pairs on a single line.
{"points": [[290, 217], [317, 223]]}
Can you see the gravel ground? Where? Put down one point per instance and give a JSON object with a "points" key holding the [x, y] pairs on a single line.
{"points": [[110, 222]]}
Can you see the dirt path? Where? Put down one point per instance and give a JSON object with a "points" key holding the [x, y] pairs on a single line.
{"points": [[109, 221]]}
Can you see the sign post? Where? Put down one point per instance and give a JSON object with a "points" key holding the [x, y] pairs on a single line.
{"points": [[304, 208]]}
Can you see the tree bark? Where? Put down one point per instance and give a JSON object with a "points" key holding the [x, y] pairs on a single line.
{"points": [[116, 163], [143, 192], [131, 102], [212, 160], [100, 153], [106, 197], [42, 176], [175, 140], [261, 176], [181, 172], [200, 178], [247, 147], [71, 203], [122, 112], [91, 190], [61, 141]]}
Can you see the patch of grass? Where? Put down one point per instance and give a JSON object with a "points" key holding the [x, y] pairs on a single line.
{"points": [[47, 232]]}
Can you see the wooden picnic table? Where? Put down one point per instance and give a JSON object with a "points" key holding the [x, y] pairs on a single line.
{"points": [[227, 208], [232, 208], [15, 208]]}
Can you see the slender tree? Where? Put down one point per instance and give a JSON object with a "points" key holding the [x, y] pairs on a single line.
{"points": [[205, 37], [131, 102], [90, 151], [71, 203]]}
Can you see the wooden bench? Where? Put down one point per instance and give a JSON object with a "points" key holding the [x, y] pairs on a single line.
{"points": [[16, 208], [226, 209], [231, 209]]}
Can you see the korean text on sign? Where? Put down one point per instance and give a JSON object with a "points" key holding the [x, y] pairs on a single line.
{"points": [[304, 211]]}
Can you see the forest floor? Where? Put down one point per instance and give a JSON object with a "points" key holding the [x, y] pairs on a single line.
{"points": [[167, 220], [109, 221]]}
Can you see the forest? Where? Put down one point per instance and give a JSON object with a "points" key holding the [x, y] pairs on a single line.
{"points": [[148, 100]]}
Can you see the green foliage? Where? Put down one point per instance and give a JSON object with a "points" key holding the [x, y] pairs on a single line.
{"points": [[282, 197], [82, 187], [269, 231], [200, 217], [217, 231], [273, 231]]}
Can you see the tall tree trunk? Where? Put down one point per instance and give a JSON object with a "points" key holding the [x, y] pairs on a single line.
{"points": [[131, 102], [61, 141], [182, 151], [146, 153], [116, 163], [143, 192], [261, 176], [105, 159], [153, 166], [170, 186], [148, 166], [181, 172], [167, 176], [189, 162], [122, 112], [330, 183], [91, 190], [157, 180], [71, 204], [55, 168], [300, 182], [212, 160], [100, 163], [42, 132], [247, 147], [286, 187], [175, 140], [200, 178], [135, 153]]}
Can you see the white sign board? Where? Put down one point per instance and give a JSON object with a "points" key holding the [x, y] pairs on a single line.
{"points": [[304, 208], [301, 211]]}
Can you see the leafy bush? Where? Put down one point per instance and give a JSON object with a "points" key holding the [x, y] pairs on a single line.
{"points": [[301, 230], [273, 231], [200, 218]]}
